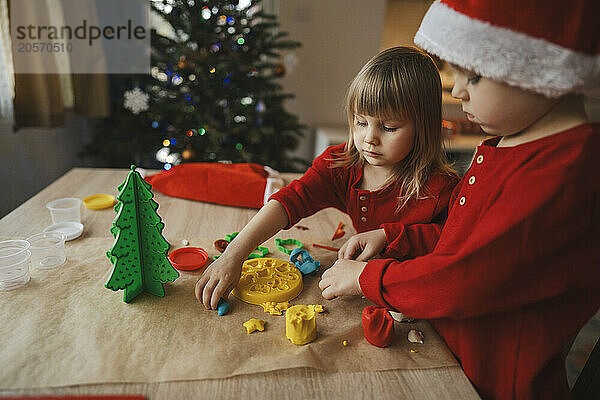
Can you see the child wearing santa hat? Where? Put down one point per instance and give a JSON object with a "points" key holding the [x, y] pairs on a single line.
{"points": [[514, 273]]}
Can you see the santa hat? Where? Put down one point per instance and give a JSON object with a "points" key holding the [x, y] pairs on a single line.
{"points": [[550, 47], [241, 185]]}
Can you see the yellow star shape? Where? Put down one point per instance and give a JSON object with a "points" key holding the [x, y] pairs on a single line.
{"points": [[254, 325]]}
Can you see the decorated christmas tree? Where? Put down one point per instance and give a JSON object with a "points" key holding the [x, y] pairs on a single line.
{"points": [[139, 253], [212, 95]]}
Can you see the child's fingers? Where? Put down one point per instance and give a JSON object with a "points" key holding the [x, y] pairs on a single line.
{"points": [[328, 293], [368, 253], [227, 294], [352, 247], [323, 284], [200, 287], [217, 293], [342, 250], [207, 293]]}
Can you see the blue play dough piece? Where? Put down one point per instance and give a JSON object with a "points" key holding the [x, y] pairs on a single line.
{"points": [[307, 265], [222, 307]]}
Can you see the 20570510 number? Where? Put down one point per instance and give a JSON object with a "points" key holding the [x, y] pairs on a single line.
{"points": [[45, 47]]}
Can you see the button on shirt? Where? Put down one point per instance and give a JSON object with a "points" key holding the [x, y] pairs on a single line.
{"points": [[322, 186]]}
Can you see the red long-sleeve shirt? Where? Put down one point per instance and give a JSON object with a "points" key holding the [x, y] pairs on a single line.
{"points": [[322, 186], [515, 272]]}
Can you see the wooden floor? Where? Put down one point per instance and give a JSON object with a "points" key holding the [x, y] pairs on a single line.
{"points": [[583, 345]]}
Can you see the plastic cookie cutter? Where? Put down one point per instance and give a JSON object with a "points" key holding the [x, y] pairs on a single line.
{"points": [[231, 236], [281, 243], [304, 262], [258, 253]]}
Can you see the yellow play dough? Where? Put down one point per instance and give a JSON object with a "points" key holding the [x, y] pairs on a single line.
{"points": [[275, 308], [317, 307], [266, 280], [254, 325], [300, 324]]}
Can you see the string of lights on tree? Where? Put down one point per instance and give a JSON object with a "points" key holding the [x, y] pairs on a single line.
{"points": [[213, 93]]}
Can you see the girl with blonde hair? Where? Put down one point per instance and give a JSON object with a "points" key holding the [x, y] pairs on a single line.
{"points": [[391, 170]]}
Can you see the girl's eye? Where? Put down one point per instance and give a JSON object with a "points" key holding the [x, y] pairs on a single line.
{"points": [[359, 123], [385, 128], [474, 79]]}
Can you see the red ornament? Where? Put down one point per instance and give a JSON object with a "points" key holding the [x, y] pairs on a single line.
{"points": [[378, 326]]}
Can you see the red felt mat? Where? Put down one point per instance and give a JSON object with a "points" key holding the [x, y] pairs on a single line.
{"points": [[241, 185]]}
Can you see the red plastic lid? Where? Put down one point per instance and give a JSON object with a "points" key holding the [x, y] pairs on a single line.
{"points": [[188, 258]]}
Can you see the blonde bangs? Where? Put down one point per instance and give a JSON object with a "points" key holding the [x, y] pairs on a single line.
{"points": [[375, 94]]}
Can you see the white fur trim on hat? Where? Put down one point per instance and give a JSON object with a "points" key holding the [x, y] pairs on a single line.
{"points": [[506, 55]]}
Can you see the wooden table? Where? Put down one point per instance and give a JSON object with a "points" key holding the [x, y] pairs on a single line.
{"points": [[32, 217]]}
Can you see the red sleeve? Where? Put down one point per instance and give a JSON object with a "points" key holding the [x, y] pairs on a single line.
{"points": [[320, 187], [537, 239], [409, 241]]}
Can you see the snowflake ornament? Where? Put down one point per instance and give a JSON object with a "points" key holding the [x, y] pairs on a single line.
{"points": [[136, 101]]}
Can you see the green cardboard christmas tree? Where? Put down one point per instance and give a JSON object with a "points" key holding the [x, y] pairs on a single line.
{"points": [[139, 253]]}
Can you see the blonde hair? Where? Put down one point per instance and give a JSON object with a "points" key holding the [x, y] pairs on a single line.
{"points": [[401, 83]]}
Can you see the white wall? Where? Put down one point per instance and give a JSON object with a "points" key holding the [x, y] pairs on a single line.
{"points": [[32, 158], [338, 37]]}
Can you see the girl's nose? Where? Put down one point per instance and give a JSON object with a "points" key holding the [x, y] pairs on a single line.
{"points": [[371, 136]]}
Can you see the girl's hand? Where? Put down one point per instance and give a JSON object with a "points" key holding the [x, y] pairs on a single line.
{"points": [[364, 246], [342, 279], [218, 280]]}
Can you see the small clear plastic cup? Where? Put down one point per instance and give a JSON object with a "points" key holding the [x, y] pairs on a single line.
{"points": [[47, 250], [14, 264], [65, 210]]}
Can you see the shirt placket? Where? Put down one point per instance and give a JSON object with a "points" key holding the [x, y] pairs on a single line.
{"points": [[471, 178], [364, 208]]}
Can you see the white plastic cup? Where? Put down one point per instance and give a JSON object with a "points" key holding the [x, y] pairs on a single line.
{"points": [[65, 210], [47, 250], [14, 264]]}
